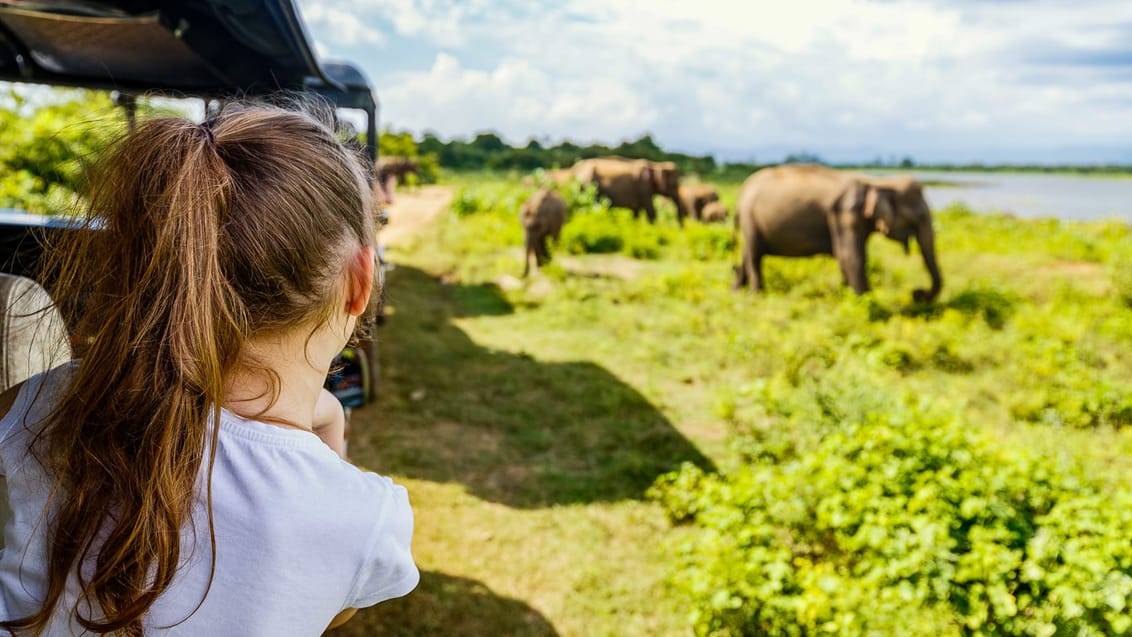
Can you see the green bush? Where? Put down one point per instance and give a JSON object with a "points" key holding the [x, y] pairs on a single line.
{"points": [[1121, 276], [900, 524], [43, 150], [488, 200], [592, 233], [708, 242], [1000, 512]]}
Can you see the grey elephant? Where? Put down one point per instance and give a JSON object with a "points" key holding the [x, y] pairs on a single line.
{"points": [[627, 183], [631, 183], [542, 216], [714, 212], [397, 167], [666, 183], [693, 198], [799, 210]]}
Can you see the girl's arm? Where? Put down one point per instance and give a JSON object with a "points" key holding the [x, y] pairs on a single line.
{"points": [[330, 422]]}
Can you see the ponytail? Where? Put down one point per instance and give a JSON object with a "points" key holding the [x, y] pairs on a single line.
{"points": [[159, 337], [197, 237]]}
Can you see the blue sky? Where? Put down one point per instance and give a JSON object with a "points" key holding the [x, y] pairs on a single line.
{"points": [[939, 80]]}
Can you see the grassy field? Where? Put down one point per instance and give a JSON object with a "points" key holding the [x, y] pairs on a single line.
{"points": [[528, 418]]}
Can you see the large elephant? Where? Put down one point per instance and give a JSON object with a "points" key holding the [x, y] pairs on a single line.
{"points": [[542, 216], [632, 183], [626, 183], [666, 183], [799, 210], [693, 198]]}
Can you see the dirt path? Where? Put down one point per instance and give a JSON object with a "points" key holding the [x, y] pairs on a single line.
{"points": [[414, 209]]}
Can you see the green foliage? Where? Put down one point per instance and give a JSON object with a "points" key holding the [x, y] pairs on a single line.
{"points": [[1121, 275], [43, 149], [896, 519], [886, 467], [593, 233], [488, 200], [396, 144], [402, 144], [488, 151]]}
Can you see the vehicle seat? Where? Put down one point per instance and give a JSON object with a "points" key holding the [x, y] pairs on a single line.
{"points": [[33, 336], [33, 339]]}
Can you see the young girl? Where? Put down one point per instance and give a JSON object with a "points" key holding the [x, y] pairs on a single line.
{"points": [[181, 477]]}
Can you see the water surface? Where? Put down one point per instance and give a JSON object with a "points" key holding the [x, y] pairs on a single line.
{"points": [[1067, 197]]}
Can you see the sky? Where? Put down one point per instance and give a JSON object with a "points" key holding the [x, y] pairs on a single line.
{"points": [[1041, 81]]}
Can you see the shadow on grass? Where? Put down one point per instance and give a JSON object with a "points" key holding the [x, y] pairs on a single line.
{"points": [[449, 606], [484, 299], [993, 305], [512, 429]]}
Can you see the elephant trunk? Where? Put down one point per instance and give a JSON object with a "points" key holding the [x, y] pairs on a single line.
{"points": [[925, 236]]}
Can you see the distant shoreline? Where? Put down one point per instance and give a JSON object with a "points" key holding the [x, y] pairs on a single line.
{"points": [[1106, 172]]}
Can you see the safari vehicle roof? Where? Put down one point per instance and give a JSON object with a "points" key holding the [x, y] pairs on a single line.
{"points": [[211, 49], [182, 48]]}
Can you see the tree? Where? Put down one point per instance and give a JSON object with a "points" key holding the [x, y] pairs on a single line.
{"points": [[489, 142], [44, 150]]}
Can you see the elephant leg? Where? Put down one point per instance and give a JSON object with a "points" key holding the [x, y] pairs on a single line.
{"points": [[650, 211], [543, 251], [528, 252], [749, 272], [757, 283]]}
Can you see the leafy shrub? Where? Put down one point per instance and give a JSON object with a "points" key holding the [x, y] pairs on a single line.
{"points": [[904, 523], [43, 150], [644, 245], [591, 234], [475, 200], [580, 198], [708, 242], [1121, 276], [605, 231], [466, 203]]}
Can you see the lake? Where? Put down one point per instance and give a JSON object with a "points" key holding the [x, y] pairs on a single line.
{"points": [[1033, 195]]}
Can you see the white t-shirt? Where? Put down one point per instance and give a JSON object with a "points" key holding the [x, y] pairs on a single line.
{"points": [[300, 533]]}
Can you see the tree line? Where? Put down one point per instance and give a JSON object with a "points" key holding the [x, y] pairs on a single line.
{"points": [[488, 151]]}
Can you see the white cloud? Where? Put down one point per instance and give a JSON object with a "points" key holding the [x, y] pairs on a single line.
{"points": [[343, 27], [904, 76], [516, 99]]}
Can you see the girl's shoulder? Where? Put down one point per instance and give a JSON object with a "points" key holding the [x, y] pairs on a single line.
{"points": [[26, 406]]}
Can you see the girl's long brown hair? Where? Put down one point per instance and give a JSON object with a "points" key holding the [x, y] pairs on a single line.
{"points": [[198, 238]]}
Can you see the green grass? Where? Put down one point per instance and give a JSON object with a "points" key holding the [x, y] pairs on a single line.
{"points": [[529, 417]]}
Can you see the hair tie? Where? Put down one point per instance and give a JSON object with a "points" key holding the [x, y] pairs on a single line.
{"points": [[208, 134]]}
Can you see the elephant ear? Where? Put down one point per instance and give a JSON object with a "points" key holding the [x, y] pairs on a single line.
{"points": [[651, 176], [878, 207]]}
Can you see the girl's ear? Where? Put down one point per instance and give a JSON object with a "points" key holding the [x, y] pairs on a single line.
{"points": [[361, 273]]}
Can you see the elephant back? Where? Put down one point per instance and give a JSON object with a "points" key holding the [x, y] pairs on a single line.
{"points": [[714, 212], [546, 207]]}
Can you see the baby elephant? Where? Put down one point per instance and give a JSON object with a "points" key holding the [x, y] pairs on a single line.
{"points": [[694, 197], [542, 216], [714, 212]]}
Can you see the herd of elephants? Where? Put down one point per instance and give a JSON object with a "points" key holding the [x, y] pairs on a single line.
{"points": [[791, 210]]}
